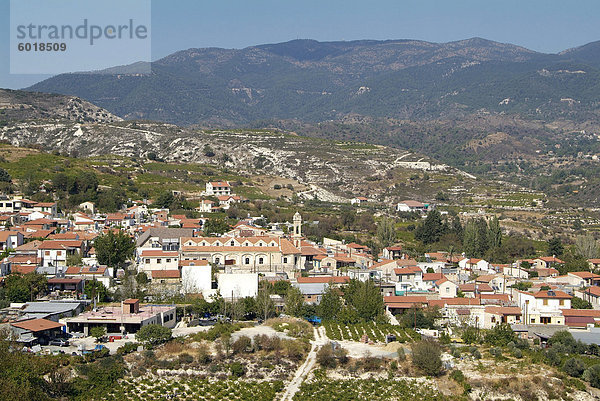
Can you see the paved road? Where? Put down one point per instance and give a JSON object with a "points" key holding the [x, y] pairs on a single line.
{"points": [[303, 371]]}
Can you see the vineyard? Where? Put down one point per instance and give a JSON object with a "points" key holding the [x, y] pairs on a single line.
{"points": [[195, 389], [375, 332], [366, 389]]}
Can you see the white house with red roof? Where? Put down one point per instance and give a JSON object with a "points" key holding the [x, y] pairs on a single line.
{"points": [[217, 188], [157, 259], [544, 306], [359, 200], [446, 288], [55, 253], [413, 206], [547, 262]]}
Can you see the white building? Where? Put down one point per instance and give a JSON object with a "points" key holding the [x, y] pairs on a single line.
{"points": [[543, 307], [238, 285], [217, 188], [157, 259], [196, 276]]}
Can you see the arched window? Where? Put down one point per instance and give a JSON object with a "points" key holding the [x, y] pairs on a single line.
{"points": [[261, 261], [247, 261]]}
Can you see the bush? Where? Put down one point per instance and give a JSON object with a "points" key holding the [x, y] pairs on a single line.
{"points": [[496, 352], [242, 344], [458, 376], [476, 354], [500, 336], [325, 357], [426, 356], [237, 369], [185, 358], [154, 334], [127, 348], [517, 353], [204, 356], [574, 367]]}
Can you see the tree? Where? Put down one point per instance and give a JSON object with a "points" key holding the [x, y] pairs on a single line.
{"points": [[264, 303], [574, 367], [592, 375], [420, 318], [500, 335], [215, 226], [555, 247], [294, 302], [386, 232], [432, 228], [365, 298], [495, 233], [97, 332], [114, 249], [24, 287], [586, 246], [426, 356], [208, 151], [164, 199], [154, 334], [326, 358], [95, 288], [578, 303], [331, 304], [4, 176], [74, 259]]}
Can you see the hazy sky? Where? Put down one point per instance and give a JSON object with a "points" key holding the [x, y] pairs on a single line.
{"points": [[541, 25]]}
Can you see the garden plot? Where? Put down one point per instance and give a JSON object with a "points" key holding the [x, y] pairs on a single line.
{"points": [[195, 389], [375, 332]]}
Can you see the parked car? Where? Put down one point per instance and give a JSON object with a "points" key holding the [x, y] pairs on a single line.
{"points": [[61, 342]]}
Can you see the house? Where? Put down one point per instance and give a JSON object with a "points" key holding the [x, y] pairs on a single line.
{"points": [[581, 318], [10, 239], [515, 272], [312, 292], [594, 264], [127, 318], [66, 286], [544, 306], [592, 295], [392, 252], [583, 279], [31, 331], [206, 206], [413, 206], [172, 277], [55, 253], [167, 239], [359, 200], [87, 273], [473, 290], [408, 279], [399, 304], [446, 288], [49, 310], [474, 264], [546, 262], [150, 260], [225, 201], [88, 207], [217, 188], [495, 315]]}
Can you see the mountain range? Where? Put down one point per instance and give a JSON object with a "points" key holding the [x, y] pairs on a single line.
{"points": [[313, 81]]}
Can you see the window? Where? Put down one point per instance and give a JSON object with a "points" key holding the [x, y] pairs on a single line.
{"points": [[545, 302], [232, 243], [447, 290], [285, 260], [158, 261], [47, 253], [168, 260], [260, 261], [148, 261], [561, 302], [217, 260], [247, 261]]}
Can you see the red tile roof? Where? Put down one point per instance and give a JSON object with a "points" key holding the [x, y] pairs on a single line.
{"points": [[324, 279], [36, 325], [165, 274], [554, 294], [433, 276], [503, 310]]}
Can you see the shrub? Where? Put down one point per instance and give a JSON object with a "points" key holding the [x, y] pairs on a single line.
{"points": [[204, 356], [242, 344], [517, 353], [185, 358], [325, 357], [154, 334], [458, 376], [500, 336], [426, 355], [237, 369], [476, 354], [371, 363], [592, 375], [401, 354], [496, 352], [127, 348], [574, 367]]}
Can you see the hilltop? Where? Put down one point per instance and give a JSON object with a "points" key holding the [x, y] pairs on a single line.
{"points": [[315, 81]]}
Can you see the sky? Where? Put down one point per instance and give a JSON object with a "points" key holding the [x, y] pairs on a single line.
{"points": [[547, 26]]}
